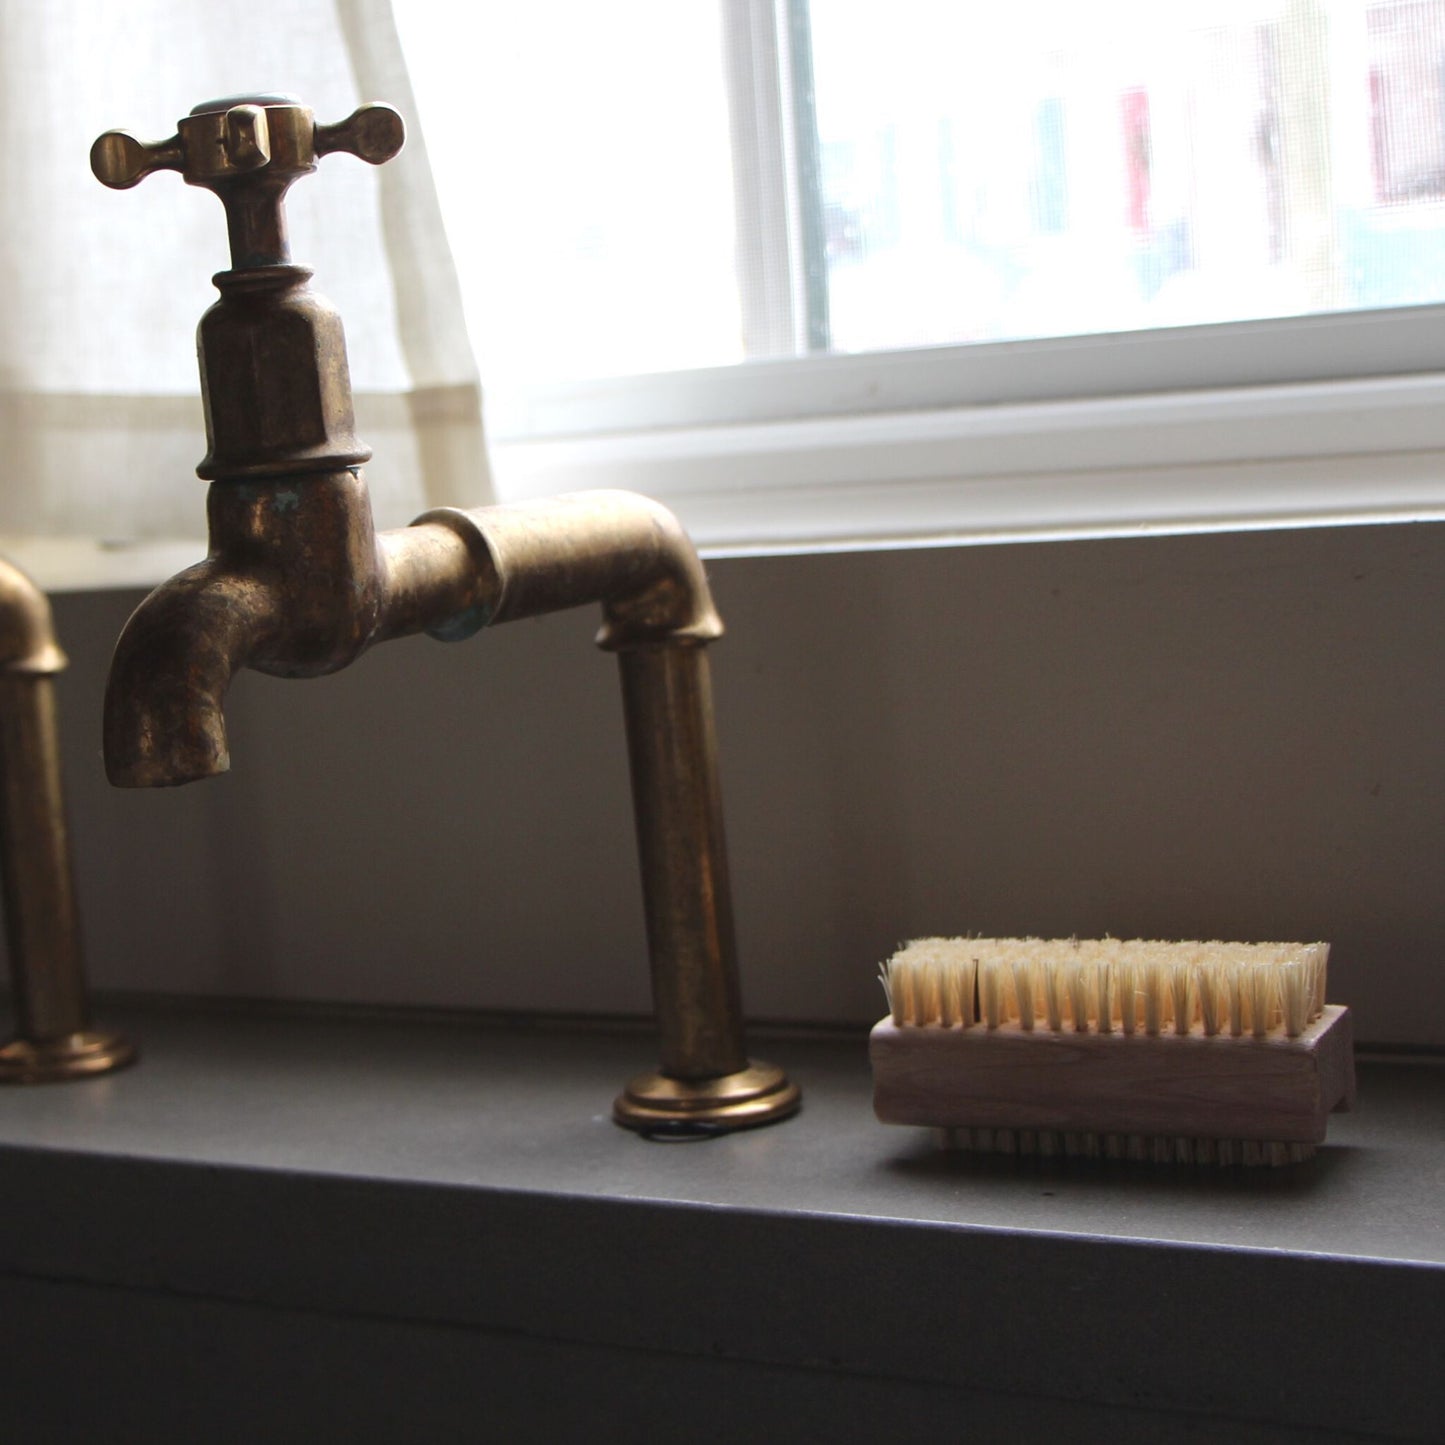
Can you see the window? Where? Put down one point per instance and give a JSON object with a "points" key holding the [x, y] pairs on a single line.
{"points": [[781, 261]]}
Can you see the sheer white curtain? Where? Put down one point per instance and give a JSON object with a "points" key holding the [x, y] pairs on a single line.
{"points": [[100, 291]]}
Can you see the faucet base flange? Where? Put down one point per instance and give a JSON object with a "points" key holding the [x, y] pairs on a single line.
{"points": [[72, 1056], [759, 1094]]}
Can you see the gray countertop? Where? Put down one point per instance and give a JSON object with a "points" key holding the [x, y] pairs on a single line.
{"points": [[467, 1174]]}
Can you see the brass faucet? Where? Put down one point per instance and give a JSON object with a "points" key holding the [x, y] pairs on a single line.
{"points": [[53, 1035], [298, 583]]}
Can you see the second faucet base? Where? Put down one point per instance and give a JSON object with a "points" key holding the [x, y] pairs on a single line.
{"points": [[72, 1056], [758, 1094]]}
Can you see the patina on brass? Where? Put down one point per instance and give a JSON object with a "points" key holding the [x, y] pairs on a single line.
{"points": [[54, 1038], [298, 583]]}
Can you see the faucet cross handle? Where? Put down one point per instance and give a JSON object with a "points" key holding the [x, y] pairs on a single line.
{"points": [[227, 144], [373, 133], [248, 149]]}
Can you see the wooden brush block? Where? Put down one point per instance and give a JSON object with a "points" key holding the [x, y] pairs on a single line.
{"points": [[1219, 1087]]}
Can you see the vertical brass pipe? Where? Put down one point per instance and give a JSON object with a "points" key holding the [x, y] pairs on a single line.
{"points": [[54, 1039], [705, 1079], [667, 704], [42, 927]]}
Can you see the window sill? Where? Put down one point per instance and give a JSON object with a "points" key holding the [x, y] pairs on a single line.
{"points": [[441, 1218], [1323, 453]]}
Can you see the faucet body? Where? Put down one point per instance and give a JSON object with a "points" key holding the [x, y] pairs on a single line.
{"points": [[298, 583], [53, 1039]]}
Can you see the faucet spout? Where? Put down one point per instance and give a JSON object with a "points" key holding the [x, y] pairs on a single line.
{"points": [[293, 586], [165, 720]]}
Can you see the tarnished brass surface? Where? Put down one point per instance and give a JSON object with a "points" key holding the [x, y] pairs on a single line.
{"points": [[285, 404], [282, 400], [757, 1094], [249, 149], [42, 929], [298, 583], [617, 548], [677, 806], [72, 1056], [27, 636]]}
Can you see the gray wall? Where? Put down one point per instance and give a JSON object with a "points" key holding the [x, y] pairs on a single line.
{"points": [[1227, 735]]}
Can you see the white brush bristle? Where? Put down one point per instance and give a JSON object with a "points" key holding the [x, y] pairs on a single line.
{"points": [[1108, 985]]}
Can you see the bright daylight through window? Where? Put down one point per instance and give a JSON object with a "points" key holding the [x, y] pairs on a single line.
{"points": [[976, 173], [1084, 168], [663, 186]]}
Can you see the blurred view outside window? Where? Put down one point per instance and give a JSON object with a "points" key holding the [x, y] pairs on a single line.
{"points": [[623, 184]]}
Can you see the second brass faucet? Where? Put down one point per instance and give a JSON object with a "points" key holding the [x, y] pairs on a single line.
{"points": [[299, 583], [54, 1037]]}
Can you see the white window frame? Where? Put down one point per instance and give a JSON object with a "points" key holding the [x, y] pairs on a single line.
{"points": [[1308, 420]]}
